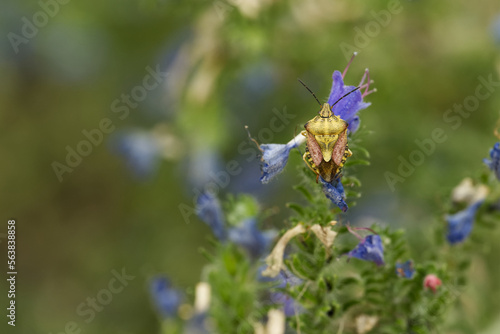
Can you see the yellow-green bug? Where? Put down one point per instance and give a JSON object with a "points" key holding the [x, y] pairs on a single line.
{"points": [[326, 148]]}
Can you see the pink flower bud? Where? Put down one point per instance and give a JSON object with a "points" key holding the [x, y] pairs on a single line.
{"points": [[432, 282]]}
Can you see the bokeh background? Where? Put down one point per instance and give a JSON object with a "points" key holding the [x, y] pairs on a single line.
{"points": [[225, 64]]}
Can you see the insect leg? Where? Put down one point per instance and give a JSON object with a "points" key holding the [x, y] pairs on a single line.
{"points": [[309, 163], [347, 154]]}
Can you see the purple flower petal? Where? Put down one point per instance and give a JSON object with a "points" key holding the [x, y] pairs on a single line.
{"points": [[165, 297], [369, 249], [334, 191], [405, 270], [460, 224], [290, 306], [353, 124], [275, 157], [494, 163], [197, 324], [209, 211], [139, 150], [349, 106], [337, 90], [248, 236]]}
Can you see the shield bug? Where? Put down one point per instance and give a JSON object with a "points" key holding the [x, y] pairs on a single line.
{"points": [[326, 147]]}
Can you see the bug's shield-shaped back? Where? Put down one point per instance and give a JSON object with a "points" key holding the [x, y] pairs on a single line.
{"points": [[326, 144], [326, 137], [327, 147]]}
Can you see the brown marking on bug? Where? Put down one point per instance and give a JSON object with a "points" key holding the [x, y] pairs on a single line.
{"points": [[314, 149], [340, 148]]}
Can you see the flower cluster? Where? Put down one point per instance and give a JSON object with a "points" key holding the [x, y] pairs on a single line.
{"points": [[345, 101], [300, 282], [246, 234], [284, 279]]}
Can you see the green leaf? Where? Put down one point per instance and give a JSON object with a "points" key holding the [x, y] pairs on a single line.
{"points": [[362, 150], [240, 208], [348, 281], [352, 194], [377, 300], [351, 180], [210, 257], [349, 304], [354, 162], [303, 190], [463, 265], [373, 290], [303, 267], [297, 208], [487, 223]]}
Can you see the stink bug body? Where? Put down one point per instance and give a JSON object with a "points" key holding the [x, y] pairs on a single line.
{"points": [[326, 148]]}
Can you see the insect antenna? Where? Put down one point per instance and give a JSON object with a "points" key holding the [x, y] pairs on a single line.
{"points": [[310, 91], [352, 91]]}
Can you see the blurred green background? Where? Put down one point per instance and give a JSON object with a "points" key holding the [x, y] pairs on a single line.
{"points": [[227, 64]]}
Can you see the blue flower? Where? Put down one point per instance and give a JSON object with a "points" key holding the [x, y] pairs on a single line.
{"points": [[140, 151], [405, 270], [165, 298], [281, 281], [275, 157], [369, 249], [334, 191], [349, 106], [248, 236], [197, 324], [354, 124], [460, 224], [209, 211], [494, 163]]}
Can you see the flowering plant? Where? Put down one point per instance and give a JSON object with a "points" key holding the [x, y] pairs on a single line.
{"points": [[313, 276]]}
